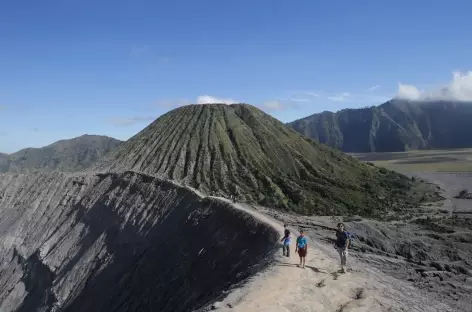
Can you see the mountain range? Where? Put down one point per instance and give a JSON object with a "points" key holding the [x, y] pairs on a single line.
{"points": [[64, 155], [236, 150], [133, 228], [397, 125]]}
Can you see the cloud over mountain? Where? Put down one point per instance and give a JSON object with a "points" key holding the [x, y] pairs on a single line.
{"points": [[208, 99], [458, 89]]}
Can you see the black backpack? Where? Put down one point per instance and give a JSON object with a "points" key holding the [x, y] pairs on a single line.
{"points": [[349, 238]]}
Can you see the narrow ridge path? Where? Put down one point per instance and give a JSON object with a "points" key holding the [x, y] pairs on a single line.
{"points": [[320, 287]]}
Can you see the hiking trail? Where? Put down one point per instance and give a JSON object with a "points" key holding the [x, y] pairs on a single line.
{"points": [[285, 287]]}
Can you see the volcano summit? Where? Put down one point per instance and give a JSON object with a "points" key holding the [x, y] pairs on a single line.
{"points": [[239, 150]]}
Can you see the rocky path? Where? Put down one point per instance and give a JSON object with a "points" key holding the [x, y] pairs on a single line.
{"points": [[320, 287]]}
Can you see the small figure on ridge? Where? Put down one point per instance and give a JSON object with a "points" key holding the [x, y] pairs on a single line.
{"points": [[342, 244], [302, 248], [286, 241]]}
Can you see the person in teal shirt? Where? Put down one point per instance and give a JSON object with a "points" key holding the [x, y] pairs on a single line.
{"points": [[302, 248]]}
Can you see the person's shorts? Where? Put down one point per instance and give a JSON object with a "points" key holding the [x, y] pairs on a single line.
{"points": [[302, 252]]}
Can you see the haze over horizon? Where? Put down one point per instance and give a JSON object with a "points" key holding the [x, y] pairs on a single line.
{"points": [[110, 68]]}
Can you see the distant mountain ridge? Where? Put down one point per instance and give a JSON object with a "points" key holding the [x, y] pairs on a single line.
{"points": [[397, 125], [64, 155]]}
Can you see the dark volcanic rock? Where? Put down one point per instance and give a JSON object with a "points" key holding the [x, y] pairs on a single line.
{"points": [[120, 242]]}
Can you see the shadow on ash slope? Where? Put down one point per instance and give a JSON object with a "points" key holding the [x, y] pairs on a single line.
{"points": [[120, 242], [431, 247]]}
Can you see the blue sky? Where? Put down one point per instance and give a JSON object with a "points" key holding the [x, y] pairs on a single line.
{"points": [[70, 67]]}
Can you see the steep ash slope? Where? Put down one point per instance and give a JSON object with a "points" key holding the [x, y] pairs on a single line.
{"points": [[238, 149], [64, 155], [120, 242]]}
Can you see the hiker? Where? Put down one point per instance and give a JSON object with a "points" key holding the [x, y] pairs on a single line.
{"points": [[302, 248], [286, 241], [342, 244]]}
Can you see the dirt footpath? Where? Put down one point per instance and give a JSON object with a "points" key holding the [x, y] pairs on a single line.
{"points": [[428, 248], [320, 286]]}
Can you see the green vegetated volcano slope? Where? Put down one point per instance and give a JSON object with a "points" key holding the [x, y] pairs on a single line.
{"points": [[238, 149], [65, 155]]}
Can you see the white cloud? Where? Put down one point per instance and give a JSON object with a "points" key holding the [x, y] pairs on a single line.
{"points": [[273, 105], [295, 99], [366, 97], [340, 97], [309, 93], [373, 88], [298, 100], [202, 99], [279, 105], [337, 98], [299, 97], [208, 99], [409, 92], [458, 89], [131, 121]]}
